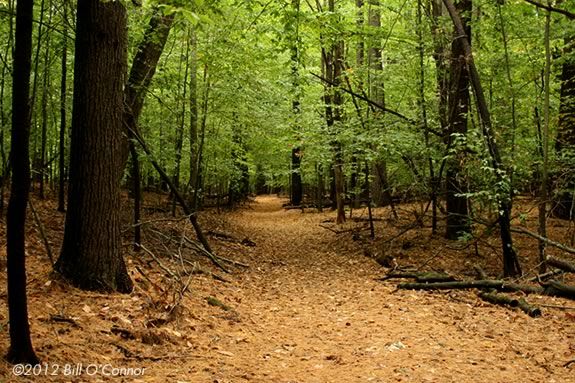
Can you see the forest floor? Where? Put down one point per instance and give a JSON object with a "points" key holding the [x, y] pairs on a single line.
{"points": [[309, 308]]}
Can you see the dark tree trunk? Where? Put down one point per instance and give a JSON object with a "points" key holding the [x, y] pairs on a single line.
{"points": [[565, 143], [4, 166], [296, 184], [63, 89], [296, 181], [458, 108], [91, 256], [143, 69], [21, 350]]}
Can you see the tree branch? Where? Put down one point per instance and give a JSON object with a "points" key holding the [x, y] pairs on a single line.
{"points": [[371, 102], [570, 15]]}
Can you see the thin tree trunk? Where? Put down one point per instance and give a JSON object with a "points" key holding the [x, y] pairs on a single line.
{"points": [[44, 108], [544, 193], [63, 92], [423, 111], [380, 189], [21, 350], [181, 122], [296, 179]]}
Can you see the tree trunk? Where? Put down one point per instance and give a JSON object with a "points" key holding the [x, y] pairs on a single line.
{"points": [[63, 91], [565, 142], [458, 108], [511, 265], [21, 350], [333, 61], [143, 69], [292, 30], [91, 256], [380, 189]]}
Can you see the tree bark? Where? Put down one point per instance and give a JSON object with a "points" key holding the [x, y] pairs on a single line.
{"points": [[565, 142], [21, 350], [141, 74], [91, 256], [457, 111], [511, 265]]}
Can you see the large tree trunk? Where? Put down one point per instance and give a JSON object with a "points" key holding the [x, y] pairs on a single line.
{"points": [[21, 350], [457, 110], [565, 143], [91, 256]]}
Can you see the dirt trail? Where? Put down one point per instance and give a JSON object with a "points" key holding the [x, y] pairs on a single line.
{"points": [[308, 310], [314, 314]]}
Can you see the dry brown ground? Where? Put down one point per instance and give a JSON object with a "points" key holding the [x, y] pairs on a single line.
{"points": [[307, 310]]}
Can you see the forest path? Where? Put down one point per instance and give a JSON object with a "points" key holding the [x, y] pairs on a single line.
{"points": [[311, 311]]}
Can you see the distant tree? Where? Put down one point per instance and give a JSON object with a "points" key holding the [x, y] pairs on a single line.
{"points": [[21, 350], [91, 256]]}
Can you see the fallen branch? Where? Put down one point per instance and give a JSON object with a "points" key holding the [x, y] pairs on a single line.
{"points": [[215, 260], [481, 284], [503, 300], [558, 289], [167, 270], [421, 277], [42, 232], [546, 240], [561, 264]]}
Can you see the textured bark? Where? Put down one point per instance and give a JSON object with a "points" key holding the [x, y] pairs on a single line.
{"points": [[458, 108], [21, 350], [143, 69], [91, 256], [565, 143]]}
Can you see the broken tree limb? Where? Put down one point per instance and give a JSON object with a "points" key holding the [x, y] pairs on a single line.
{"points": [[215, 260], [558, 289], [42, 232], [561, 264], [369, 101], [546, 240], [421, 277], [504, 300], [481, 284], [177, 194]]}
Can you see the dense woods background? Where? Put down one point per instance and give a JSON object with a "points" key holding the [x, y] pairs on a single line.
{"points": [[458, 107]]}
